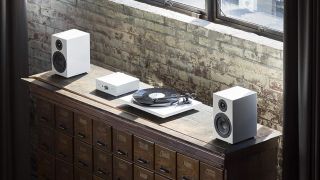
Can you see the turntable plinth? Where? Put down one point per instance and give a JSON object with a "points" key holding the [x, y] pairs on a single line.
{"points": [[80, 126]]}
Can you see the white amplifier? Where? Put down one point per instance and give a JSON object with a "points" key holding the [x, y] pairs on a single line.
{"points": [[117, 84]]}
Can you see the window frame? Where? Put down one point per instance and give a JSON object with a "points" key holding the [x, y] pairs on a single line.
{"points": [[211, 13]]}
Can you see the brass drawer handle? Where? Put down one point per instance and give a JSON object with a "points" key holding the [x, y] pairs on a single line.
{"points": [[62, 127], [163, 170], [101, 171], [121, 152], [99, 143], [61, 154], [82, 163], [43, 119], [142, 161], [185, 178], [80, 135]]}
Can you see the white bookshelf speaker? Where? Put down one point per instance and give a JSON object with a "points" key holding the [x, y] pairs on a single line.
{"points": [[70, 53], [235, 114]]}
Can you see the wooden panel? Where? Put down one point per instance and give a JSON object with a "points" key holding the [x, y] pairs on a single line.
{"points": [[122, 144], [83, 156], [46, 166], [64, 120], [45, 113], [46, 139], [158, 177], [143, 153], [165, 161], [64, 147], [187, 168], [79, 174], [122, 170], [142, 174], [210, 172], [64, 171], [83, 128], [97, 178], [102, 165], [102, 135]]}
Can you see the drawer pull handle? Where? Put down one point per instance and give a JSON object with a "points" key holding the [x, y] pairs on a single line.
{"points": [[61, 154], [82, 164], [185, 178], [43, 119], [80, 135], [99, 143], [62, 127], [121, 152], [142, 161], [101, 172], [163, 170]]}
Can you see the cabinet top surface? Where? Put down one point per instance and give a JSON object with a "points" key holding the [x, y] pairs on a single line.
{"points": [[195, 124]]}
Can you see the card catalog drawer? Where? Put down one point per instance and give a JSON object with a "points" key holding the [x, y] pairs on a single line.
{"points": [[64, 147], [83, 156], [64, 171], [102, 166], [142, 174], [46, 139], [64, 120], [45, 113], [165, 162], [79, 174], [122, 144], [210, 172], [102, 135], [188, 168], [143, 153], [122, 170], [83, 128], [46, 166]]}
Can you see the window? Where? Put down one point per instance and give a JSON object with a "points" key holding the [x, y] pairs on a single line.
{"points": [[264, 17]]}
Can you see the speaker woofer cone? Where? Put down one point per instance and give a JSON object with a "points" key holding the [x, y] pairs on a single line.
{"points": [[222, 125], [59, 62]]}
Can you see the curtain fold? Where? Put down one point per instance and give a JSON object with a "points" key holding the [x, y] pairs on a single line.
{"points": [[301, 138], [14, 150]]}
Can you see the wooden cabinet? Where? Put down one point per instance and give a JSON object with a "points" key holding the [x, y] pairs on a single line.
{"points": [[123, 170], [64, 147], [142, 174], [187, 168], [82, 137], [83, 128], [102, 164], [143, 152], [102, 135], [64, 120], [122, 144], [165, 162]]}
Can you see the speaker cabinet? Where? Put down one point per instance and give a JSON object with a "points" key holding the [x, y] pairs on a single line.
{"points": [[235, 114], [70, 53]]}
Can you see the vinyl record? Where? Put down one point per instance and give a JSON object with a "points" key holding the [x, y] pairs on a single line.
{"points": [[156, 97]]}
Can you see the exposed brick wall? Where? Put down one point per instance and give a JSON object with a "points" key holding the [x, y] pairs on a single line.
{"points": [[164, 48]]}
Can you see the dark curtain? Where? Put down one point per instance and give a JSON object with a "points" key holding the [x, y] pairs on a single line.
{"points": [[14, 137], [301, 138]]}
